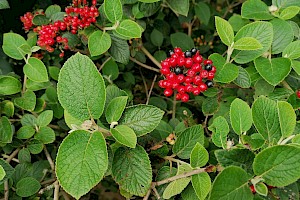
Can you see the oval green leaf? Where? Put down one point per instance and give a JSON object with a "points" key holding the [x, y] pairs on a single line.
{"points": [[201, 184], [131, 169], [224, 30], [240, 116], [99, 42], [27, 187], [113, 10], [9, 85], [124, 135], [129, 29], [247, 43], [36, 70], [12, 44], [80, 76], [287, 118], [115, 109], [199, 156], [81, 162]]}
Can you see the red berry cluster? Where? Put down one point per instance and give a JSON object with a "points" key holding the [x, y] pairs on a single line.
{"points": [[298, 93], [27, 20], [78, 16], [186, 72]]}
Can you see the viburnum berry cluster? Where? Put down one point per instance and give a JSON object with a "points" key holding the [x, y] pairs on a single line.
{"points": [[78, 16], [186, 72]]}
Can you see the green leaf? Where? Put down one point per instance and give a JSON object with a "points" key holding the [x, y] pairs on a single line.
{"points": [[283, 160], [231, 183], [201, 184], [113, 10], [58, 16], [77, 76], [27, 101], [289, 12], [6, 131], [129, 29], [51, 10], [131, 169], [224, 30], [99, 42], [283, 35], [287, 118], [187, 140], [285, 3], [210, 106], [240, 116], [179, 7], [9, 85], [24, 156], [142, 118], [46, 135], [36, 70], [237, 22], [2, 173], [119, 50], [81, 162], [265, 118], [111, 70], [27, 187], [156, 37], [25, 132], [256, 9], [40, 20], [263, 32], [220, 130], [12, 43], [9, 170], [149, 1], [247, 43], [35, 146], [292, 50], [124, 135], [226, 72], [45, 118], [199, 156], [181, 40], [176, 187], [243, 80], [273, 71], [202, 11], [189, 193], [115, 109], [261, 189], [238, 157], [4, 4]]}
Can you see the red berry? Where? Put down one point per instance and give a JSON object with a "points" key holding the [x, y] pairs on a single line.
{"points": [[171, 76], [178, 50], [165, 64], [196, 91], [180, 61], [180, 78], [188, 79], [161, 83], [197, 59], [203, 87], [181, 89], [165, 70], [204, 74], [207, 62], [167, 84], [175, 85], [210, 75], [191, 72], [196, 67], [298, 93], [62, 54], [213, 69], [178, 96], [189, 88], [197, 80], [173, 62], [252, 189], [188, 62], [185, 97], [168, 92]]}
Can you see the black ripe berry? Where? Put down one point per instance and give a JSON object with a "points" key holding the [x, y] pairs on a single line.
{"points": [[170, 53], [178, 70], [188, 54], [208, 67], [194, 51], [209, 83]]}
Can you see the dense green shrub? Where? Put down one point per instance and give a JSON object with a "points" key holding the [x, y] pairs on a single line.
{"points": [[83, 116]]}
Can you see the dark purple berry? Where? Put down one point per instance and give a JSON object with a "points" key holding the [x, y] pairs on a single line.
{"points": [[208, 67], [178, 70], [188, 54], [209, 83]]}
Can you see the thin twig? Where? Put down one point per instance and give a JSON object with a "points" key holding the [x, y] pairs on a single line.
{"points": [[48, 181], [144, 82], [151, 88], [14, 159], [144, 65], [49, 159], [102, 65], [155, 192], [149, 55], [12, 155], [174, 106], [56, 190], [24, 84], [147, 195], [184, 175]]}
